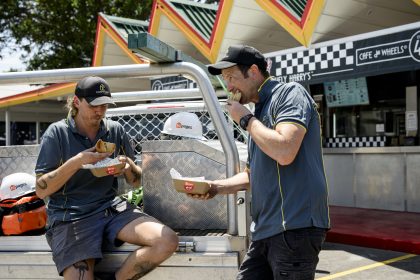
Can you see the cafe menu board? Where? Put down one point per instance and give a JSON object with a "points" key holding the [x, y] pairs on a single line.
{"points": [[346, 92]]}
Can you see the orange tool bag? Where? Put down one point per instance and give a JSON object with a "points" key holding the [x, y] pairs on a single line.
{"points": [[22, 215]]}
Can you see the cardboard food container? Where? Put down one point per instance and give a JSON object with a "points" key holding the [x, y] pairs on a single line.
{"points": [[186, 185], [105, 167]]}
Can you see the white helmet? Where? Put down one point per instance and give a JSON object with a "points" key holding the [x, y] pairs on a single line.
{"points": [[16, 185], [184, 124]]}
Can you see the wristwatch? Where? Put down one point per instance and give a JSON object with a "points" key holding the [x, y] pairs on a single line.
{"points": [[243, 122]]}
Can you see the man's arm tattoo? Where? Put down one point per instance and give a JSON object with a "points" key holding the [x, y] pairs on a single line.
{"points": [[41, 184], [52, 174]]}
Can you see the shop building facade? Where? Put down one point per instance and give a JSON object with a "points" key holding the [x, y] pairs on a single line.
{"points": [[366, 86], [367, 91]]}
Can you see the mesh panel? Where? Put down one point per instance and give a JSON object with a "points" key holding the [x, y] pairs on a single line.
{"points": [[148, 127]]}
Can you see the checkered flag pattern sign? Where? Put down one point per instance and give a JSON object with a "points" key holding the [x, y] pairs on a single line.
{"points": [[323, 59], [355, 142]]}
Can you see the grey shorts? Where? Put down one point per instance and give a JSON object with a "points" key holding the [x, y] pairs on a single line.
{"points": [[84, 239]]}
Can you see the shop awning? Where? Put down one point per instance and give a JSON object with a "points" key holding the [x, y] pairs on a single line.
{"points": [[386, 51]]}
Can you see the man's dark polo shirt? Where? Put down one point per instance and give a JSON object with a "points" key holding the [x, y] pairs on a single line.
{"points": [[296, 195], [83, 194]]}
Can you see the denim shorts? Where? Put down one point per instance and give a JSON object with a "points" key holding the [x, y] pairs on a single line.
{"points": [[292, 254], [84, 239]]}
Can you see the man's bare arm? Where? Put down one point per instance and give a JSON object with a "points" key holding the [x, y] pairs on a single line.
{"points": [[133, 173], [51, 182], [229, 185], [238, 182], [281, 144]]}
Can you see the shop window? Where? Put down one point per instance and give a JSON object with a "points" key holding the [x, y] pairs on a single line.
{"points": [[379, 110], [43, 127], [23, 133], [2, 134]]}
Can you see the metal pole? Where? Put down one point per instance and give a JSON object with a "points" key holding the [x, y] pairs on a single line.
{"points": [[150, 70], [37, 132], [135, 96], [7, 126]]}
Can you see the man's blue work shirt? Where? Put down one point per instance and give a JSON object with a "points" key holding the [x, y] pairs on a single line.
{"points": [[83, 194], [296, 195]]}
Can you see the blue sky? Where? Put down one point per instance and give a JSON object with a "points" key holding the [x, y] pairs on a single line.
{"points": [[11, 61]]}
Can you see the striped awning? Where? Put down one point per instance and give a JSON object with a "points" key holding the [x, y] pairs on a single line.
{"points": [[201, 17], [295, 7]]}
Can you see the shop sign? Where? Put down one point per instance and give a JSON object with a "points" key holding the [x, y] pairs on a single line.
{"points": [[382, 52], [380, 128], [365, 55], [411, 123], [173, 82]]}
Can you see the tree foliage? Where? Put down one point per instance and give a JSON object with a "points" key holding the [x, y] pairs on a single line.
{"points": [[60, 33]]}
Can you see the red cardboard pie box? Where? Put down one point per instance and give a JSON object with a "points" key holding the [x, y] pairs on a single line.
{"points": [[105, 167], [189, 185]]}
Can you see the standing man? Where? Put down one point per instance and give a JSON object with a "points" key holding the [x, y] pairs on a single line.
{"points": [[84, 212], [285, 169]]}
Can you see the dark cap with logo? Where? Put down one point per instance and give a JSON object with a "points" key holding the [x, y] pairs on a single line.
{"points": [[95, 90], [239, 54]]}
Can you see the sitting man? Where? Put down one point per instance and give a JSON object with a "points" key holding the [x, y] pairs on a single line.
{"points": [[84, 211]]}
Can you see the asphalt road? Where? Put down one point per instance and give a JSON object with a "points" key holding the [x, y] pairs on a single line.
{"points": [[339, 261]]}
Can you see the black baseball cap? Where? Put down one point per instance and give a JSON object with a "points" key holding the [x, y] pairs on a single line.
{"points": [[239, 54], [95, 90]]}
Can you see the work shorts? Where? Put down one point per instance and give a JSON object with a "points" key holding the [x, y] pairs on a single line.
{"points": [[84, 239], [292, 254]]}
